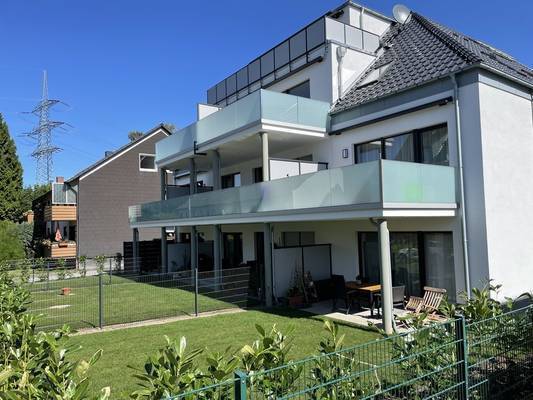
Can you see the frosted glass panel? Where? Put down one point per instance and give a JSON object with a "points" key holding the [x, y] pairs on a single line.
{"points": [[405, 182]]}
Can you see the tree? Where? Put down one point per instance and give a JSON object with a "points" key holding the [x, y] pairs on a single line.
{"points": [[31, 193], [11, 246], [134, 135], [10, 176]]}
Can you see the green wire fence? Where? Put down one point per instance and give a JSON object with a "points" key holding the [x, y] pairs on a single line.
{"points": [[489, 359]]}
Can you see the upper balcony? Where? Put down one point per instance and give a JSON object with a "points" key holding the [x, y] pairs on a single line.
{"points": [[284, 115], [374, 189]]}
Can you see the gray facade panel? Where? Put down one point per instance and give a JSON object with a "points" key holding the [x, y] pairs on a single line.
{"points": [[105, 195]]}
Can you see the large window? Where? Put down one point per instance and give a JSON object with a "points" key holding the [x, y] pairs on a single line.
{"points": [[418, 259], [232, 246], [366, 152], [428, 145], [434, 144], [297, 238], [400, 148], [301, 90]]}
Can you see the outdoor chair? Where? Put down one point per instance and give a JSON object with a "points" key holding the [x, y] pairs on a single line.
{"points": [[429, 304], [341, 293]]}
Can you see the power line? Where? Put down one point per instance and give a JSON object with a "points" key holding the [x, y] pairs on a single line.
{"points": [[42, 133]]}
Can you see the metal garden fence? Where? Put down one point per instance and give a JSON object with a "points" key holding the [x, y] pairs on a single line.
{"points": [[489, 359], [115, 296]]}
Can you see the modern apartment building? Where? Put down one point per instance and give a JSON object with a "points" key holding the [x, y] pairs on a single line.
{"points": [[358, 133], [90, 209]]}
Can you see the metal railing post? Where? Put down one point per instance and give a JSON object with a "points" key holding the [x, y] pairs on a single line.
{"points": [[100, 301], [240, 391], [48, 275], [461, 350], [110, 268], [196, 291]]}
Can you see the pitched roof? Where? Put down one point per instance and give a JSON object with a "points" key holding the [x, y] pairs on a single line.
{"points": [[119, 151], [420, 51]]}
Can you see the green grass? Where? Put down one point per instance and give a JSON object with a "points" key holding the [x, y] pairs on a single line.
{"points": [[132, 346], [124, 300]]}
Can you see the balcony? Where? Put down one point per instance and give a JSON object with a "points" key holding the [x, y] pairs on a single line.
{"points": [[60, 212], [60, 250], [261, 111], [365, 190]]}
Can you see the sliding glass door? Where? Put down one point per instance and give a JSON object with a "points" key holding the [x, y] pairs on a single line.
{"points": [[418, 259]]}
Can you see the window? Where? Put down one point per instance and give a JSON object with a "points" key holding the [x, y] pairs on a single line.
{"points": [[258, 174], [232, 247], [428, 146], [231, 180], [366, 152], [434, 143], [301, 90], [147, 162], [400, 148], [418, 259], [297, 238]]}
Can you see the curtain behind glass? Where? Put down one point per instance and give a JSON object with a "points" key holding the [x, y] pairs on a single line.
{"points": [[400, 148], [368, 151], [438, 252], [435, 146]]}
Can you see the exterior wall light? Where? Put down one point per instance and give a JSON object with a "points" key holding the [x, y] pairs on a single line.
{"points": [[344, 153]]}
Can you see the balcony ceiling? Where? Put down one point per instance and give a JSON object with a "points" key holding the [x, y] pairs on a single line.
{"points": [[247, 148]]}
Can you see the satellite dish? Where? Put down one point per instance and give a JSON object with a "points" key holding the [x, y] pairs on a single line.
{"points": [[401, 13]]}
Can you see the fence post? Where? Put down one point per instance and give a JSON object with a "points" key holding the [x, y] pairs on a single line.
{"points": [[461, 350], [196, 291], [240, 385], [110, 268], [100, 301], [48, 275]]}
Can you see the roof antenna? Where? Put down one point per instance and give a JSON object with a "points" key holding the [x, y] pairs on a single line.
{"points": [[401, 13]]}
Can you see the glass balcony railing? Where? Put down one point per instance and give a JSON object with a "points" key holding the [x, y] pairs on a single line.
{"points": [[377, 184], [260, 106]]}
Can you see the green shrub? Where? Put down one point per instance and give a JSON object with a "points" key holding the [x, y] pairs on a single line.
{"points": [[61, 264], [36, 365], [25, 230], [100, 263], [83, 266], [11, 246]]}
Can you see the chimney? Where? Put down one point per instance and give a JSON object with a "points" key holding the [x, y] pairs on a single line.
{"points": [[60, 179]]}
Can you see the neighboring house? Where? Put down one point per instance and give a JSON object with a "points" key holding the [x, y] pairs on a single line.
{"points": [[90, 209], [354, 127]]}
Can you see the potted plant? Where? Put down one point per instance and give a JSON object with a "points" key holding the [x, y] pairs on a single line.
{"points": [[295, 294]]}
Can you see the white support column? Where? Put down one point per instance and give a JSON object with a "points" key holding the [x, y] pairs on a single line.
{"points": [[215, 168], [265, 157], [164, 250], [217, 258], [267, 233], [192, 176], [386, 275], [135, 249]]}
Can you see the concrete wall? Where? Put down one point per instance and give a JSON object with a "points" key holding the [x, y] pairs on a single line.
{"points": [[104, 197], [506, 118]]}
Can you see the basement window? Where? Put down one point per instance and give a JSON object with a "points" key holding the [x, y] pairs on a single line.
{"points": [[147, 162]]}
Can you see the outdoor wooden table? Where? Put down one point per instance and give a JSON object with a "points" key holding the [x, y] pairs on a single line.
{"points": [[369, 289]]}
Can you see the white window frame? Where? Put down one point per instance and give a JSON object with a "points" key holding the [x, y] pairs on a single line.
{"points": [[147, 169]]}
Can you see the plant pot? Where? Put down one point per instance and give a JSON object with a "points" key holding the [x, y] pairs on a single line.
{"points": [[296, 301], [66, 291], [62, 244]]}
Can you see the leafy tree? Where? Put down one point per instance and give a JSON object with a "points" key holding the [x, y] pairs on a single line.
{"points": [[10, 176], [25, 230], [11, 246], [134, 135]]}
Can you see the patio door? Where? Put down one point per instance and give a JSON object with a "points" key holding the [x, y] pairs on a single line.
{"points": [[405, 261]]}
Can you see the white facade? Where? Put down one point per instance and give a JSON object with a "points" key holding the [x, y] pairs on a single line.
{"points": [[496, 132]]}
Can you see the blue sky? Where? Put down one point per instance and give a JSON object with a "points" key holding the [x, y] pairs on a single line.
{"points": [[128, 65]]}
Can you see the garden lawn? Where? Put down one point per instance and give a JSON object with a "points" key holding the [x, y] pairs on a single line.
{"points": [[132, 346], [124, 300]]}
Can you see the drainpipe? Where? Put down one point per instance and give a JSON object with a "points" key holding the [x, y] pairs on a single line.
{"points": [[461, 183]]}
